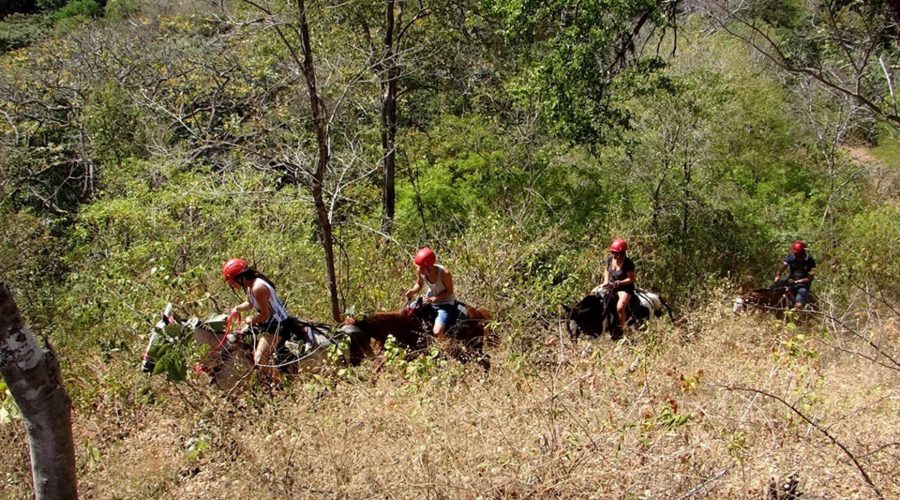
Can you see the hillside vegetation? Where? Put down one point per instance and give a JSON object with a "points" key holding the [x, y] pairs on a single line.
{"points": [[143, 143]]}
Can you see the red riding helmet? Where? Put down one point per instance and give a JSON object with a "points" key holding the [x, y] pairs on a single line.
{"points": [[425, 257], [618, 245], [232, 268], [798, 246]]}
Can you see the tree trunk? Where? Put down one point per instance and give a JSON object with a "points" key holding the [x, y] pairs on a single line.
{"points": [[389, 119], [685, 195], [32, 375], [320, 118]]}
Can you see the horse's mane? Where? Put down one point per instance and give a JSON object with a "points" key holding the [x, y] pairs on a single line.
{"points": [[382, 319]]}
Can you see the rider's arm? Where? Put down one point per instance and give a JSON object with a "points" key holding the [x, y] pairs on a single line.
{"points": [[809, 277], [627, 281], [597, 288], [416, 287], [781, 269], [261, 293], [242, 307]]}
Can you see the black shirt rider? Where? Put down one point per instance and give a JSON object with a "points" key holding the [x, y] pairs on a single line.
{"points": [[621, 273]]}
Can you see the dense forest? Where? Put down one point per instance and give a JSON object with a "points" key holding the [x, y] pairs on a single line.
{"points": [[145, 142]]}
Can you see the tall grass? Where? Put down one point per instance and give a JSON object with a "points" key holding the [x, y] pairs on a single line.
{"points": [[656, 415]]}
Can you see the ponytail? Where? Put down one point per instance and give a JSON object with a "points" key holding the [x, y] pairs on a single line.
{"points": [[253, 273]]}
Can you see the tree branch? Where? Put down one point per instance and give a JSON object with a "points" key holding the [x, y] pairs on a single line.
{"points": [[812, 423]]}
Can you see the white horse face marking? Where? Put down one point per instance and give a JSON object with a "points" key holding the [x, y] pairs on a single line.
{"points": [[739, 305]]}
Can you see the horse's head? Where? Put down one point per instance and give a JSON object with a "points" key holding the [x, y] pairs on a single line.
{"points": [[349, 326], [739, 305], [748, 299], [590, 315], [167, 322], [766, 298]]}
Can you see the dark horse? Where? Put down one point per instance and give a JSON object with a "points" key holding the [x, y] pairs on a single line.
{"points": [[596, 314], [411, 329], [776, 299]]}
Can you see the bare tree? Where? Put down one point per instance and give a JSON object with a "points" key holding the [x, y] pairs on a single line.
{"points": [[857, 49], [385, 60], [32, 375], [323, 139], [294, 33]]}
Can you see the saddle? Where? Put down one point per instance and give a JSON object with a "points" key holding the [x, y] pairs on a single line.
{"points": [[631, 313], [427, 314]]}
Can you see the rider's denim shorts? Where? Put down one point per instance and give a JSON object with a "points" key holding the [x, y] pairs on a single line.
{"points": [[802, 293], [443, 313]]}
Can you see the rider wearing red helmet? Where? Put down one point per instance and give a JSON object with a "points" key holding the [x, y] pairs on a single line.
{"points": [[440, 288], [270, 323], [618, 276], [802, 269]]}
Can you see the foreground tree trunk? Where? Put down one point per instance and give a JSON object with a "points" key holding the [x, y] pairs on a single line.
{"points": [[32, 375], [323, 139]]}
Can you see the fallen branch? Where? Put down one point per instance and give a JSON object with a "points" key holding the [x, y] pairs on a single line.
{"points": [[693, 491], [827, 434]]}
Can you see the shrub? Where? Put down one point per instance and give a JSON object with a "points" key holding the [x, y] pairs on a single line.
{"points": [[19, 30], [79, 10]]}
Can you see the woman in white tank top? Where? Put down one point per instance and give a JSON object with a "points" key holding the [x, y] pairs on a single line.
{"points": [[440, 288], [269, 321]]}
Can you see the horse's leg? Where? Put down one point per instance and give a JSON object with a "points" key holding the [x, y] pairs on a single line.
{"points": [[235, 368], [479, 341], [378, 367], [211, 361], [231, 364]]}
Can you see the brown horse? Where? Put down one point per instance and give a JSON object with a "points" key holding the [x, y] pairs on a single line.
{"points": [[411, 331], [777, 300]]}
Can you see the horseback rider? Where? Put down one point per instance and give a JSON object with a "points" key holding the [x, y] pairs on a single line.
{"points": [[440, 288], [618, 277], [270, 323], [802, 268]]}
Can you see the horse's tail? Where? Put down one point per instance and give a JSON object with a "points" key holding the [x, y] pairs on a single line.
{"points": [[571, 325], [479, 314], [668, 309]]}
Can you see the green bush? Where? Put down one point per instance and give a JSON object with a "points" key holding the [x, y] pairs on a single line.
{"points": [[870, 256], [119, 9], [19, 30], [78, 10]]}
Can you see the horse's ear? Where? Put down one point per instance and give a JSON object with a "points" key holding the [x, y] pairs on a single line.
{"points": [[566, 308]]}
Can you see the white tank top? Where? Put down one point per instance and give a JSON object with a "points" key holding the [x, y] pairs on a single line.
{"points": [[438, 287], [276, 308]]}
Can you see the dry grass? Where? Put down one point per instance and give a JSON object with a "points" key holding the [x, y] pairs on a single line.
{"points": [[649, 417]]}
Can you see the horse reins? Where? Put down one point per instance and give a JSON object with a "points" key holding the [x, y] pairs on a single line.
{"points": [[201, 367]]}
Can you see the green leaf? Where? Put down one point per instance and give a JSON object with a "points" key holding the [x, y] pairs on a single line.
{"points": [[173, 368], [173, 330], [216, 322]]}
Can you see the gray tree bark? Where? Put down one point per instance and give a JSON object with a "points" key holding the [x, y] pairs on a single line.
{"points": [[32, 376], [323, 139]]}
